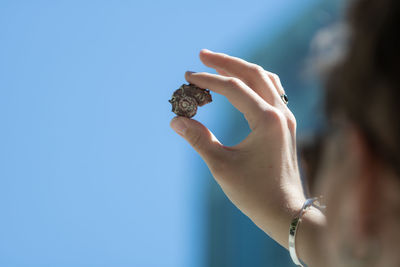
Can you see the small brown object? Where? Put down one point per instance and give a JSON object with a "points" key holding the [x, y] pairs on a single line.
{"points": [[186, 99]]}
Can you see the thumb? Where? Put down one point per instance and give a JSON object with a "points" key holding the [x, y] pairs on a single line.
{"points": [[199, 137]]}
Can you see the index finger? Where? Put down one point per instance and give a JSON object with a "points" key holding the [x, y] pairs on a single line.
{"points": [[253, 75], [238, 93]]}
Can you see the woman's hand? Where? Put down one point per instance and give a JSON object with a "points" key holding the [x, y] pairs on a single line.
{"points": [[260, 175]]}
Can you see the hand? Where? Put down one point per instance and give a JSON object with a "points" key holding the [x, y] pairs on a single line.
{"points": [[259, 175]]}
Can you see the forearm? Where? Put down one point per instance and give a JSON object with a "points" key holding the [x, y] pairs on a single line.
{"points": [[308, 238], [308, 245]]}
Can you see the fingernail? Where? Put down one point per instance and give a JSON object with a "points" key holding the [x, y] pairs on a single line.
{"points": [[206, 50], [178, 126], [189, 72]]}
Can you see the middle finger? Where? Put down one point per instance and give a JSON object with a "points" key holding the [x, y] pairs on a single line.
{"points": [[238, 93], [251, 74]]}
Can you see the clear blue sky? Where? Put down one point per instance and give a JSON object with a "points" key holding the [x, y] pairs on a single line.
{"points": [[90, 172]]}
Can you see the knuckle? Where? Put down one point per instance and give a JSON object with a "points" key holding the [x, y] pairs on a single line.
{"points": [[277, 121], [257, 70], [235, 82], [275, 115], [195, 140], [273, 118], [274, 76], [291, 120]]}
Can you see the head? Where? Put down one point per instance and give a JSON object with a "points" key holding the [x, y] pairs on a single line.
{"points": [[360, 171]]}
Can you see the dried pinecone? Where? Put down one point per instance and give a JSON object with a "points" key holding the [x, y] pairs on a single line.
{"points": [[186, 99]]}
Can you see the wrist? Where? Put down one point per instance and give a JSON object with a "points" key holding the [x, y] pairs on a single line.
{"points": [[308, 234]]}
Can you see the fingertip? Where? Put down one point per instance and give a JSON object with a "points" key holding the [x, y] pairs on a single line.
{"points": [[179, 125], [188, 74], [205, 51]]}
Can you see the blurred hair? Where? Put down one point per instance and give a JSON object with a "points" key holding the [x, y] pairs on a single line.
{"points": [[364, 84]]}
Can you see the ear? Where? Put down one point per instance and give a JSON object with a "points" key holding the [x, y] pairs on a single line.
{"points": [[367, 183]]}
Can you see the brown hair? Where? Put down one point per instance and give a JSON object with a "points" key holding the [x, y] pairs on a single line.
{"points": [[365, 84]]}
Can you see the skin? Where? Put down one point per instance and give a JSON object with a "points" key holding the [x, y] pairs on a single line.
{"points": [[260, 175], [363, 195]]}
